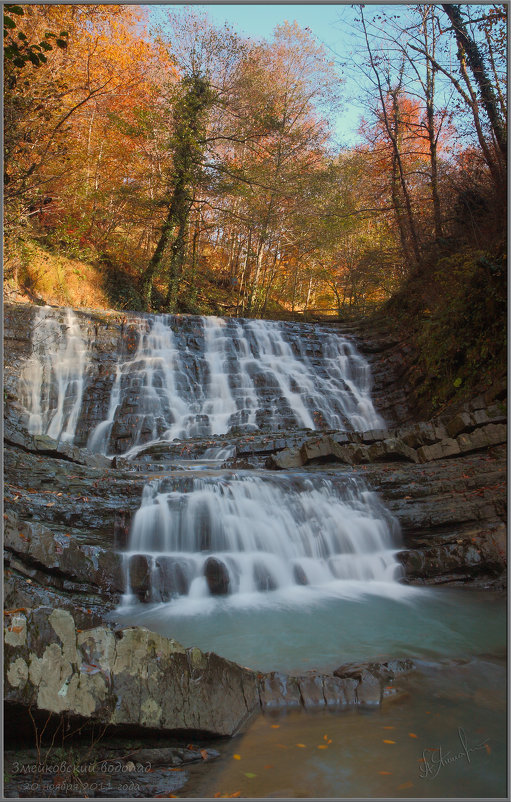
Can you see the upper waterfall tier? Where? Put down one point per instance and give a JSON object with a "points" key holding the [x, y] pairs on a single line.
{"points": [[166, 377]]}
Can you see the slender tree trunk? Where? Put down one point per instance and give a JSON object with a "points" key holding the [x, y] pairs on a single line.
{"points": [[476, 63]]}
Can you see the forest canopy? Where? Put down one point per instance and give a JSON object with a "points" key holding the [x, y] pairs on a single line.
{"points": [[195, 169]]}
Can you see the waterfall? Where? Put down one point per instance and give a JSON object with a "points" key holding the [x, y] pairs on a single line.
{"points": [[159, 378], [245, 533], [52, 381], [198, 377]]}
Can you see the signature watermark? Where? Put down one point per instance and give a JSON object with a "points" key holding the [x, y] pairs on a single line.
{"points": [[434, 759]]}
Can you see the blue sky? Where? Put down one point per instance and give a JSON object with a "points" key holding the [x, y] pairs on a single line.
{"points": [[328, 22]]}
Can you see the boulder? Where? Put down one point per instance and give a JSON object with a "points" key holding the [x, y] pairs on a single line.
{"points": [[217, 576], [127, 678], [277, 690], [140, 576], [371, 678], [172, 577], [263, 577]]}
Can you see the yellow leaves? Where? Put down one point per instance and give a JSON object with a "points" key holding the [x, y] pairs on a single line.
{"points": [[302, 746], [237, 757], [275, 726], [412, 735], [385, 741]]}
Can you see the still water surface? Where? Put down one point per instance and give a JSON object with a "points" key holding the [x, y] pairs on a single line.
{"points": [[445, 736]]}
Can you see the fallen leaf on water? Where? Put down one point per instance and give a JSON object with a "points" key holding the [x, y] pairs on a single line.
{"points": [[269, 766], [215, 796], [412, 735], [275, 726], [322, 746], [404, 785], [301, 745], [487, 749], [237, 757], [236, 793], [388, 728], [250, 775], [204, 754], [325, 737], [388, 742], [384, 772]]}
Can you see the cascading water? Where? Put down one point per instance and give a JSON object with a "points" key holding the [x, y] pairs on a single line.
{"points": [[52, 381], [219, 533], [248, 532], [210, 376]]}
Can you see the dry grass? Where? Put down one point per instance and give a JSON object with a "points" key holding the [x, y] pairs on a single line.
{"points": [[54, 279]]}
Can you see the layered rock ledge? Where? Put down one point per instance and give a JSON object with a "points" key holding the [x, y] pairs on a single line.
{"points": [[133, 679]]}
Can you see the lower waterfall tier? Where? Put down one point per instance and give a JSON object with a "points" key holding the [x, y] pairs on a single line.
{"points": [[245, 533]]}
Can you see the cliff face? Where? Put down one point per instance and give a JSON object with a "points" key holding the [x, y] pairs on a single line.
{"points": [[68, 511]]}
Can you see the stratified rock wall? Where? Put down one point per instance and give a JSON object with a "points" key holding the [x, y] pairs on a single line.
{"points": [[132, 678]]}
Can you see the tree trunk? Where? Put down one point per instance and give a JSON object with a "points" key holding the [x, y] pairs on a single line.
{"points": [[477, 66]]}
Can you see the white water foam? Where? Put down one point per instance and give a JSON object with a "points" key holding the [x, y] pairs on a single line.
{"points": [[223, 374], [240, 534], [53, 379]]}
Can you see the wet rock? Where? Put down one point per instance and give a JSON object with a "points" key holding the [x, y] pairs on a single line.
{"points": [[217, 577], [172, 756], [462, 422], [288, 458], [263, 578], [445, 448], [315, 449], [124, 678], [482, 552], [299, 575], [277, 690], [371, 678], [56, 560], [392, 448], [171, 578], [339, 692], [121, 530], [311, 691], [140, 576]]}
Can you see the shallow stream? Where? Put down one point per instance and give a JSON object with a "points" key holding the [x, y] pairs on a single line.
{"points": [[445, 738]]}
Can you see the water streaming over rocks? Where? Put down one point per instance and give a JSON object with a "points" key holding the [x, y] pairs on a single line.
{"points": [[52, 382], [244, 533], [170, 378], [173, 377]]}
